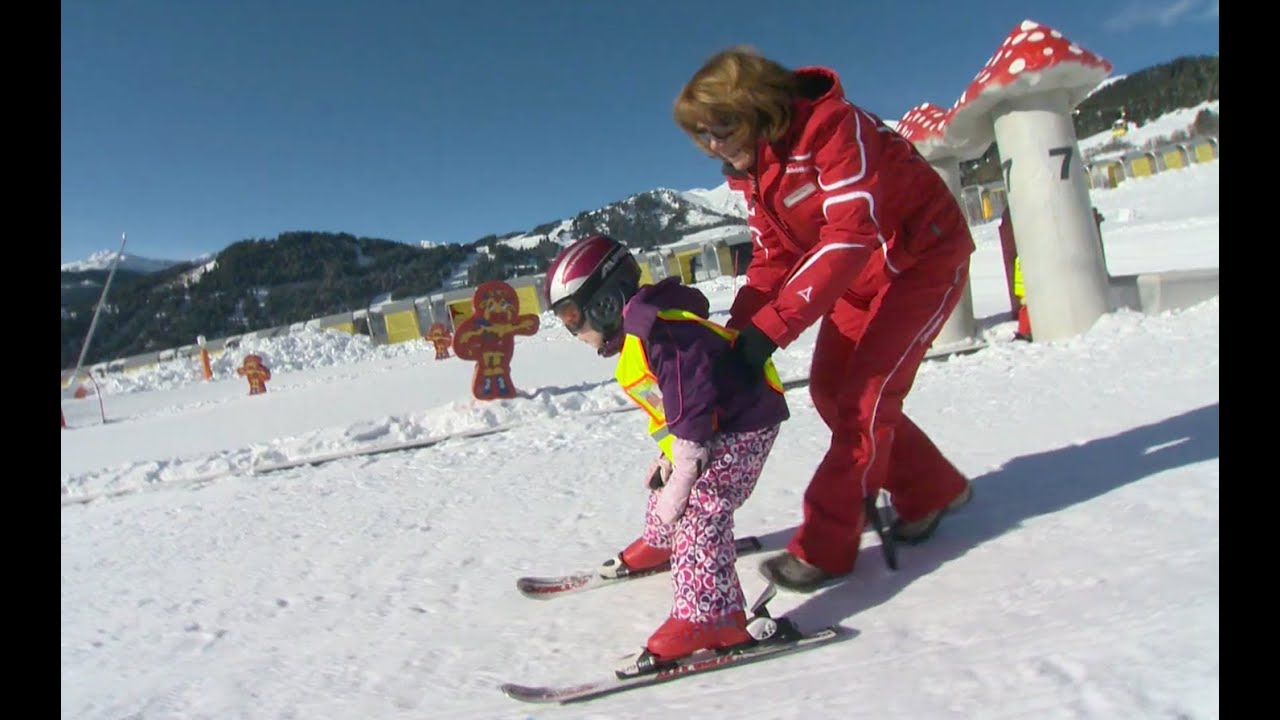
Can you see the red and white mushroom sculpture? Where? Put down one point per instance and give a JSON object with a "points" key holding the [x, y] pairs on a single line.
{"points": [[923, 126], [1023, 98]]}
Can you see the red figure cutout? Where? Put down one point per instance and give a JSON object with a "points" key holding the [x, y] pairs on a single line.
{"points": [[256, 373], [439, 336], [488, 338]]}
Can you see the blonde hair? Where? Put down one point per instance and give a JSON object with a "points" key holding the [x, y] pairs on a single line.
{"points": [[740, 89]]}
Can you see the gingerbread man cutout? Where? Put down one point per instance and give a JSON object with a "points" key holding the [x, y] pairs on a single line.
{"points": [[256, 373], [488, 338], [438, 336]]}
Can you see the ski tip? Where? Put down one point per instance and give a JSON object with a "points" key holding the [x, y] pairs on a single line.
{"points": [[555, 695], [527, 693], [533, 589], [534, 595], [547, 588]]}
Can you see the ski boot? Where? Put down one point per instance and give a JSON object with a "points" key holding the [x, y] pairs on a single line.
{"points": [[638, 557], [914, 533], [676, 640]]}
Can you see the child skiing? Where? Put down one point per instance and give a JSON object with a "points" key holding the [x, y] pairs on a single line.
{"points": [[714, 429]]}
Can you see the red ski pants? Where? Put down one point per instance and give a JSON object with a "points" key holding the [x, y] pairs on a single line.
{"points": [[864, 363]]}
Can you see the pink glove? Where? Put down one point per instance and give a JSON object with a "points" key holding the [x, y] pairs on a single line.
{"points": [[690, 460], [659, 470]]}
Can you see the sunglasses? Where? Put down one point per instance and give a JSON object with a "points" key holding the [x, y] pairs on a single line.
{"points": [[720, 133]]}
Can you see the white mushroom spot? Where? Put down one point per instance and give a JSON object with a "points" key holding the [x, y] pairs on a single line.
{"points": [[1075, 50], [1055, 33], [1028, 25], [1017, 66], [1047, 51], [1018, 38], [984, 76], [1036, 36]]}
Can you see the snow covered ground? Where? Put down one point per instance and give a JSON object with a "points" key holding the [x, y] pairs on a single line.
{"points": [[1082, 582]]}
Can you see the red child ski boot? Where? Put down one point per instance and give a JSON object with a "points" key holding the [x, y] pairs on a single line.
{"points": [[639, 556], [678, 638]]}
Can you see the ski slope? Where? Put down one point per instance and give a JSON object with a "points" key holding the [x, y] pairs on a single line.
{"points": [[1081, 582]]}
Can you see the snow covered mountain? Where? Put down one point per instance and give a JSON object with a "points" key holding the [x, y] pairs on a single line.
{"points": [[102, 259], [656, 217]]}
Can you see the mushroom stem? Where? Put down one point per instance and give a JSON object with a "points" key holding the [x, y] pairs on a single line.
{"points": [[961, 326], [1048, 195], [949, 169]]}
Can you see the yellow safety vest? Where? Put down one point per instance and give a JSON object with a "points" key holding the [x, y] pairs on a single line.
{"points": [[1018, 289], [641, 385]]}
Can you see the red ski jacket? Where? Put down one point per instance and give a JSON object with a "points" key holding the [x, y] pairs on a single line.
{"points": [[838, 207]]}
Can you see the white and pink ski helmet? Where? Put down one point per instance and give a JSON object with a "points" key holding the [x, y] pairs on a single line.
{"points": [[591, 280]]}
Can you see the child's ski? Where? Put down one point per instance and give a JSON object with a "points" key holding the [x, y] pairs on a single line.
{"points": [[546, 588], [643, 672]]}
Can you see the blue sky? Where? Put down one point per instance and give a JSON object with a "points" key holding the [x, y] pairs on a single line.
{"points": [[192, 125]]}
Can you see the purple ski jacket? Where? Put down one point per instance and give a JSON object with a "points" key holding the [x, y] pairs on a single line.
{"points": [[682, 355]]}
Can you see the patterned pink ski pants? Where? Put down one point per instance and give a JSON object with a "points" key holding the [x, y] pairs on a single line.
{"points": [[703, 579]]}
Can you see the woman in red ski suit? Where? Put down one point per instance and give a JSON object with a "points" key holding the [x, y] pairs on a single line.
{"points": [[853, 228]]}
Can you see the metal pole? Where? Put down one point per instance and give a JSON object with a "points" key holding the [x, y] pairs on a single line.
{"points": [[101, 301]]}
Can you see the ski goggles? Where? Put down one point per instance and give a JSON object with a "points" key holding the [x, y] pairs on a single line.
{"points": [[570, 313]]}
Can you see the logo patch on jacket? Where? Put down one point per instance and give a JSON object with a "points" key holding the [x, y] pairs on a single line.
{"points": [[799, 194]]}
